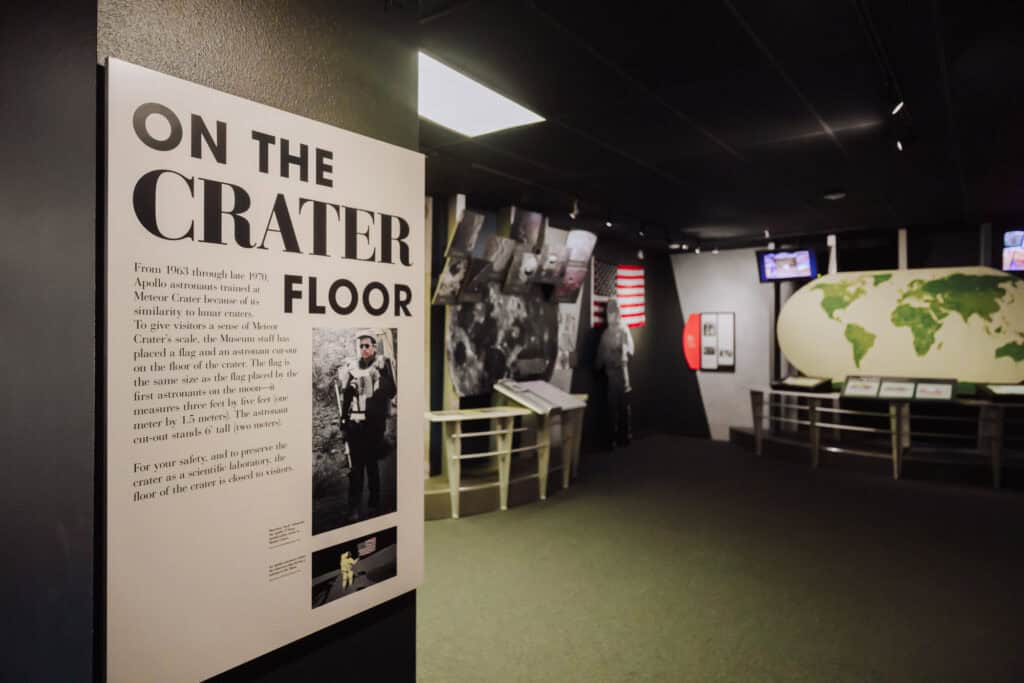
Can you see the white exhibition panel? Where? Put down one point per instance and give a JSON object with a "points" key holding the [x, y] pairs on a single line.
{"points": [[207, 568], [728, 281]]}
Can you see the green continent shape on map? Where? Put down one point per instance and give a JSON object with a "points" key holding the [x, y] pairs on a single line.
{"points": [[1014, 350], [839, 295], [958, 293], [921, 323], [879, 279], [861, 340]]}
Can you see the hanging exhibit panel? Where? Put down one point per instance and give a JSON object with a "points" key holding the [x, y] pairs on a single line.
{"points": [[965, 323], [264, 327]]}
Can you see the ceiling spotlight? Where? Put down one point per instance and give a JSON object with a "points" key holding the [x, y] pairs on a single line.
{"points": [[674, 246], [714, 251], [897, 108], [766, 233], [697, 250], [607, 224], [832, 197], [641, 233], [686, 247], [899, 145], [575, 209]]}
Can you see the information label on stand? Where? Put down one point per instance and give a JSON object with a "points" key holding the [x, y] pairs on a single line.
{"points": [[899, 388], [861, 387], [934, 391], [264, 337], [896, 389]]}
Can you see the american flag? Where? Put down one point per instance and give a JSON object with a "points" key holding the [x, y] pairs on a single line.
{"points": [[626, 283]]}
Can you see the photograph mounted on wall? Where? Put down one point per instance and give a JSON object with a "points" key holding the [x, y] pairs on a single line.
{"points": [[522, 272], [581, 245], [499, 251], [552, 263], [349, 567], [528, 229], [354, 425], [567, 291], [449, 283], [478, 276], [467, 232], [503, 336]]}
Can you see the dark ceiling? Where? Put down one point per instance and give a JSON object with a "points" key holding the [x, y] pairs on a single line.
{"points": [[716, 120]]}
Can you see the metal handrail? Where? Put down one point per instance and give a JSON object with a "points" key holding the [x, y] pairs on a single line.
{"points": [[944, 418], [847, 411]]}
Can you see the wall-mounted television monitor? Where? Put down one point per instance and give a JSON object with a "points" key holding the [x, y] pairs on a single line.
{"points": [[1013, 250], [799, 264]]}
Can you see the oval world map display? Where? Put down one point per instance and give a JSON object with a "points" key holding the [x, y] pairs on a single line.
{"points": [[964, 323]]}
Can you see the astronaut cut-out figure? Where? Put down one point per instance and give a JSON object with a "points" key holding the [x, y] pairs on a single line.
{"points": [[614, 351]]}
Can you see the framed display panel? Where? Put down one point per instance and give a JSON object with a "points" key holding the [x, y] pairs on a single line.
{"points": [[467, 232], [522, 272], [717, 334], [257, 329], [452, 279], [527, 228]]}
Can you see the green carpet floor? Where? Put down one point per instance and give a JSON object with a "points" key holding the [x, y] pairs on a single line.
{"points": [[685, 560]]}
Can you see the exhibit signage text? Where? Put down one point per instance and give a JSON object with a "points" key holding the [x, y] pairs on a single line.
{"points": [[297, 224]]}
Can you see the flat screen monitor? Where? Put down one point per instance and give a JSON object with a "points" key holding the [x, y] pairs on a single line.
{"points": [[799, 264], [1013, 250]]}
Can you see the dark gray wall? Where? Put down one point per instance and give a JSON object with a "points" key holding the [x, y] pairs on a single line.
{"points": [[349, 64], [665, 398], [48, 299], [935, 246]]}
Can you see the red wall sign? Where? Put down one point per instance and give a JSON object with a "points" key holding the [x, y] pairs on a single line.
{"points": [[691, 341]]}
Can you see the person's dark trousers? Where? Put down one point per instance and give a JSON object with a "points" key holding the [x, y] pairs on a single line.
{"points": [[364, 454]]}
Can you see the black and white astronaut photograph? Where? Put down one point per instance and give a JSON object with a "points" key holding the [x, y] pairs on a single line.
{"points": [[451, 280], [355, 421]]}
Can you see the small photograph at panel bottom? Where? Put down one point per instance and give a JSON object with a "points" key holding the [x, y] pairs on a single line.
{"points": [[352, 566]]}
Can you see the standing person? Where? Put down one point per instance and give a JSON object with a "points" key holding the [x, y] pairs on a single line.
{"points": [[613, 354], [367, 386]]}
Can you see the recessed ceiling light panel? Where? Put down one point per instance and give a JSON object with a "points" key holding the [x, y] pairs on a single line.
{"points": [[458, 103]]}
